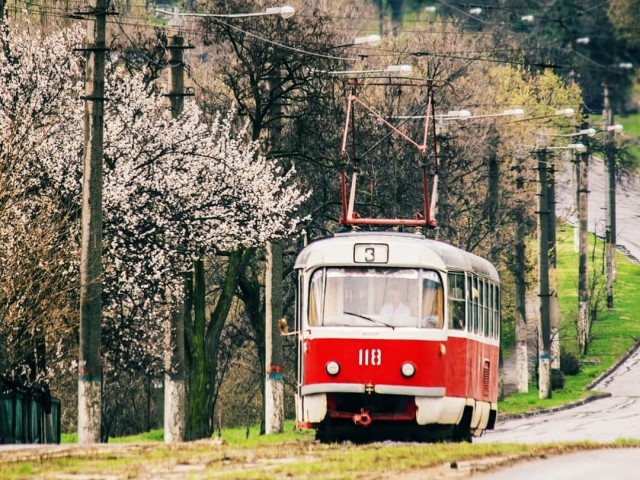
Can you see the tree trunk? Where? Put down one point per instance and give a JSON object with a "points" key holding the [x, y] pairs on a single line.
{"points": [[396, 15], [203, 339], [251, 295], [202, 372]]}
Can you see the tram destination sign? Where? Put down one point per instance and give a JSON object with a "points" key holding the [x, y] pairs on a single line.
{"points": [[371, 253]]}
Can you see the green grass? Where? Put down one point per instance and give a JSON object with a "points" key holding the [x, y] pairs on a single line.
{"points": [[288, 455], [145, 437], [613, 333]]}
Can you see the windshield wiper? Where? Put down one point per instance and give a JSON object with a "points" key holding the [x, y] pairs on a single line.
{"points": [[372, 320]]}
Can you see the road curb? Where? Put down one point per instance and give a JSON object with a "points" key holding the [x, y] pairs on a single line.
{"points": [[615, 366], [559, 408], [594, 396]]}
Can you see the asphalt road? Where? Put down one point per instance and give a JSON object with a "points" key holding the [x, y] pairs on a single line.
{"points": [[619, 464], [603, 420], [627, 205]]}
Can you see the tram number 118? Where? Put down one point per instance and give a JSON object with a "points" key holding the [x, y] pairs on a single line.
{"points": [[369, 356]]}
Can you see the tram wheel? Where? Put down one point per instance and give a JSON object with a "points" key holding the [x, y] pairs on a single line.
{"points": [[462, 431]]}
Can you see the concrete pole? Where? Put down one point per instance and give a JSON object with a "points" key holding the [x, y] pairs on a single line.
{"points": [[544, 349], [274, 361], [175, 384], [175, 380], [89, 363], [610, 200], [582, 195], [274, 379], [522, 350], [554, 306]]}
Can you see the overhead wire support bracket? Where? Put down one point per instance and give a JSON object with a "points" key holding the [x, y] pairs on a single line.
{"points": [[80, 15]]}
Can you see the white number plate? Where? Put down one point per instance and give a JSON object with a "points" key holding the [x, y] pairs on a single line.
{"points": [[371, 253]]}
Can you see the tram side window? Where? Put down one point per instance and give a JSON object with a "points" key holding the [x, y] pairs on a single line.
{"points": [[484, 303], [472, 303], [496, 311], [316, 290], [490, 303], [432, 306], [456, 302]]}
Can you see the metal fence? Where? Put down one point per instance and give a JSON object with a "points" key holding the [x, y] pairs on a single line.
{"points": [[28, 419]]}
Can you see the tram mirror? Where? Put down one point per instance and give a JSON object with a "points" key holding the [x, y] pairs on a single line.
{"points": [[284, 327]]}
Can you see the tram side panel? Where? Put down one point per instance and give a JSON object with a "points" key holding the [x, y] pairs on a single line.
{"points": [[472, 378]]}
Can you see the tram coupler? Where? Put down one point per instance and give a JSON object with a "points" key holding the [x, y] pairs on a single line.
{"points": [[363, 418]]}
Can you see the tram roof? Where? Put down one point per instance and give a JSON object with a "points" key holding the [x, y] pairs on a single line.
{"points": [[405, 250]]}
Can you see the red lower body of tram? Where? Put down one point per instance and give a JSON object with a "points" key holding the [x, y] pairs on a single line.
{"points": [[408, 388]]}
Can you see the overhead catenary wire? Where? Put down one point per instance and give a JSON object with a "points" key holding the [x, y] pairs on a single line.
{"points": [[473, 56]]}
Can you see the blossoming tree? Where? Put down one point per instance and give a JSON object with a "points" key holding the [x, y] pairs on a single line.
{"points": [[175, 189]]}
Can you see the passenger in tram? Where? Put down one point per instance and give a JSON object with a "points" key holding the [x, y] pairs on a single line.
{"points": [[395, 307]]}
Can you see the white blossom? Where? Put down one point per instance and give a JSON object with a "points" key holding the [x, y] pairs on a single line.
{"points": [[174, 189]]}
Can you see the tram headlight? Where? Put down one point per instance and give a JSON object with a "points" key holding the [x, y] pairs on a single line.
{"points": [[408, 369], [332, 368]]}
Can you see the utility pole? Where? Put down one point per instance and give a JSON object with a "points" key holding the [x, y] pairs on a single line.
{"points": [[89, 364], [554, 307], [274, 380], [175, 383], [522, 351], [544, 349], [582, 198], [610, 199], [274, 361]]}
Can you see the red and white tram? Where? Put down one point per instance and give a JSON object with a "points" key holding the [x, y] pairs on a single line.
{"points": [[398, 336]]}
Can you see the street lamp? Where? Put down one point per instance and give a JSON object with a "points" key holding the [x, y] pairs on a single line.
{"points": [[567, 112], [467, 115], [462, 115], [373, 40], [589, 132], [578, 147], [400, 69], [285, 11]]}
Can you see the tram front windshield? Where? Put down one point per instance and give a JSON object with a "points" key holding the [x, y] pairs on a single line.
{"points": [[375, 297]]}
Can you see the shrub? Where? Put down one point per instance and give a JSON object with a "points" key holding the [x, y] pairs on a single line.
{"points": [[569, 363]]}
